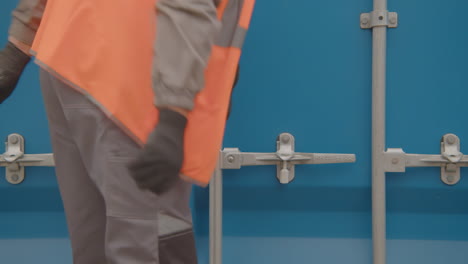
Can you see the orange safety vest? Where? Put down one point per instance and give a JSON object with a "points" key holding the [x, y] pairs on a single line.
{"points": [[104, 48]]}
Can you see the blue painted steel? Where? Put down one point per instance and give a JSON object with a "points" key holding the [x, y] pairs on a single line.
{"points": [[306, 70]]}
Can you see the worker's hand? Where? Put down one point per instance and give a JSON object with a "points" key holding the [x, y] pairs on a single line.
{"points": [[158, 164], [12, 63]]}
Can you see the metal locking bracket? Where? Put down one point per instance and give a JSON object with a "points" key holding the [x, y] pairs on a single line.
{"points": [[285, 158], [379, 18], [450, 160], [15, 160]]}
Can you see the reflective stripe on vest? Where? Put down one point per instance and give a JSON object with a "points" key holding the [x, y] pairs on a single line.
{"points": [[104, 49]]}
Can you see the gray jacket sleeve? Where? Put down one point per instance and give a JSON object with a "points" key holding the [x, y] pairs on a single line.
{"points": [[186, 30], [26, 19]]}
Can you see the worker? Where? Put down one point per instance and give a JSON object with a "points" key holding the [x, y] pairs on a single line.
{"points": [[130, 89]]}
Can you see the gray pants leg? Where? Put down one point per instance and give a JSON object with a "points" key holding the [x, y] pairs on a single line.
{"points": [[110, 220]]}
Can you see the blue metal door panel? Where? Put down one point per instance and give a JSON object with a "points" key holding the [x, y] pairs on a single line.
{"points": [[427, 76], [306, 70]]}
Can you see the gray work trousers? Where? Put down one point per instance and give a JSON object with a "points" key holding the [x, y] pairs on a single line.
{"points": [[110, 220]]}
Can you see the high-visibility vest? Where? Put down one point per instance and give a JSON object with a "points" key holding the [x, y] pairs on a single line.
{"points": [[104, 49]]}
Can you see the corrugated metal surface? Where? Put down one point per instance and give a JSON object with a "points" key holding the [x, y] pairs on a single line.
{"points": [[306, 70]]}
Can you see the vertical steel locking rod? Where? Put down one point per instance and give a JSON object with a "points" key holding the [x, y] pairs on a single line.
{"points": [[216, 217], [379, 44]]}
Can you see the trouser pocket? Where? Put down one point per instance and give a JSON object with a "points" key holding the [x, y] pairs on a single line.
{"points": [[178, 248]]}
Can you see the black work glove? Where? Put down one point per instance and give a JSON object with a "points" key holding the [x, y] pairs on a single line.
{"points": [[12, 63], [158, 164]]}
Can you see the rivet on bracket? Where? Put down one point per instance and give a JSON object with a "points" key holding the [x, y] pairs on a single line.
{"points": [[379, 18]]}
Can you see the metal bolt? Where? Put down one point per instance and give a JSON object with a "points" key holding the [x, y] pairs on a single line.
{"points": [[451, 139], [285, 139], [15, 177], [364, 20], [395, 160], [450, 178], [230, 159], [393, 20], [14, 139]]}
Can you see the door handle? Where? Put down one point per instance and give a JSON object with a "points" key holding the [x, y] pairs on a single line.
{"points": [[285, 158], [15, 160], [449, 160]]}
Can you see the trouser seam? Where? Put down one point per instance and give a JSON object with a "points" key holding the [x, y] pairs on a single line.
{"points": [[165, 237], [130, 217]]}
